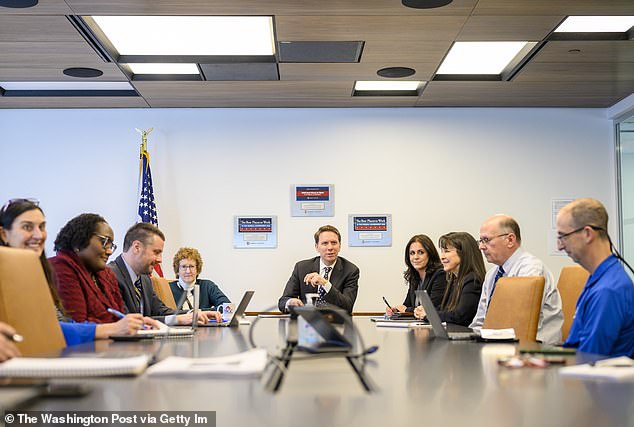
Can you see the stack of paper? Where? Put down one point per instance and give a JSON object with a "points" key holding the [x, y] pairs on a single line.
{"points": [[618, 368], [29, 367], [498, 334], [164, 331], [247, 364]]}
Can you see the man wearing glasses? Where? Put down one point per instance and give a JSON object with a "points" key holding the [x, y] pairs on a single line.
{"points": [[604, 318], [500, 242]]}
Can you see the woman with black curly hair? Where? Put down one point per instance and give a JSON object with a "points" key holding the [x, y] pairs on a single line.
{"points": [[85, 285]]}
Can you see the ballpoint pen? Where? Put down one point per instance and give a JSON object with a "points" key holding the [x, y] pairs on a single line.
{"points": [[120, 315], [389, 306], [13, 337]]}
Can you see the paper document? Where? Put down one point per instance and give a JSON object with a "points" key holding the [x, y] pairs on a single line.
{"points": [[617, 368], [498, 334], [247, 364], [29, 367], [165, 330]]}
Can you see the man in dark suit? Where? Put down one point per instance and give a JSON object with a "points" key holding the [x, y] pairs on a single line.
{"points": [[142, 250], [333, 278]]}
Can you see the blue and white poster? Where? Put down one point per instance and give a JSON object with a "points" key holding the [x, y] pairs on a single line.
{"points": [[254, 232], [370, 230], [313, 200]]}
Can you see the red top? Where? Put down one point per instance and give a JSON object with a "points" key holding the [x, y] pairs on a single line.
{"points": [[83, 300]]}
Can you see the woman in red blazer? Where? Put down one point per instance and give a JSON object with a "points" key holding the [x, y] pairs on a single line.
{"points": [[85, 285]]}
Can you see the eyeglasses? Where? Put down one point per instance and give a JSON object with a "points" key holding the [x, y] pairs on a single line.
{"points": [[487, 240], [106, 242], [13, 201], [561, 237], [187, 267]]}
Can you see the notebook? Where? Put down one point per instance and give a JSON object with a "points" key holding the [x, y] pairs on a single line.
{"points": [[250, 363], [25, 367], [235, 319], [436, 323]]}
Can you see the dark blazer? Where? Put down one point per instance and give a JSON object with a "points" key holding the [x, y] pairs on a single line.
{"points": [[210, 294], [467, 304], [344, 279], [152, 305], [435, 283]]}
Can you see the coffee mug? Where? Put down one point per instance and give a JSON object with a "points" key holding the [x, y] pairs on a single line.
{"points": [[311, 298], [227, 310]]}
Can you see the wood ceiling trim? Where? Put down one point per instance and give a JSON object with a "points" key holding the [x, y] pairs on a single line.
{"points": [[72, 102], [356, 102], [56, 54], [508, 28], [37, 28], [589, 51], [44, 7], [350, 72], [110, 73], [574, 71]]}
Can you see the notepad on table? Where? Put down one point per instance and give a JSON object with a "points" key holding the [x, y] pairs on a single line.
{"points": [[246, 364], [30, 367], [617, 368]]}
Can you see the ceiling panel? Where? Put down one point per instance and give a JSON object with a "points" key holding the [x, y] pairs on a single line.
{"points": [[350, 72], [508, 28], [110, 73], [262, 7], [554, 7], [589, 51], [36, 44], [368, 28]]}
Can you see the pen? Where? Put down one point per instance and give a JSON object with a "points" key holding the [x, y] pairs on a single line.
{"points": [[13, 337], [119, 314], [389, 306]]}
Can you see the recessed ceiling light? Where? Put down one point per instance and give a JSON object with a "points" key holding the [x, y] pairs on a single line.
{"points": [[18, 4], [480, 57], [387, 85], [596, 24], [82, 72], [43, 86], [396, 72], [175, 68], [189, 35]]}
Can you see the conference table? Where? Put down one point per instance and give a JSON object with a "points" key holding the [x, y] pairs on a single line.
{"points": [[415, 379]]}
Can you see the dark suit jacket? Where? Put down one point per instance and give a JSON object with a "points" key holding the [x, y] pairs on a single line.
{"points": [[435, 283], [210, 294], [467, 304], [344, 279], [152, 305]]}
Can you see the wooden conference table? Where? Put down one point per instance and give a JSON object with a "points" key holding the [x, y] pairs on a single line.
{"points": [[418, 380]]}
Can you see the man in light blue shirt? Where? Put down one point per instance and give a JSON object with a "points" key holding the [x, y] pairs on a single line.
{"points": [[604, 318]]}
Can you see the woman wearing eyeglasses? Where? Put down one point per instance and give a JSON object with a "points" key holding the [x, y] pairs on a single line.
{"points": [[86, 286], [424, 272], [23, 226], [462, 261]]}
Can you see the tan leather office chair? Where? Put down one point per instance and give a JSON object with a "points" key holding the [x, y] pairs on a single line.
{"points": [[26, 302], [162, 289], [516, 303], [572, 279]]}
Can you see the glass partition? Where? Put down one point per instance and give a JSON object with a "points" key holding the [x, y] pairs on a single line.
{"points": [[625, 152]]}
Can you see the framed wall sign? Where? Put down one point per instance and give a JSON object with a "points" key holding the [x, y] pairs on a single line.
{"points": [[313, 200], [370, 230], [254, 232]]}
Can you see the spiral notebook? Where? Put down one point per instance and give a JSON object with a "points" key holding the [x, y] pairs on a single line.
{"points": [[77, 367]]}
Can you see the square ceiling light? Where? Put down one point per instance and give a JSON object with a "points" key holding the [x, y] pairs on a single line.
{"points": [[189, 35], [596, 24], [387, 88], [483, 58]]}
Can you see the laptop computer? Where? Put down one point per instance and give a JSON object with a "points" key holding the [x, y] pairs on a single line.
{"points": [[235, 318], [436, 323]]}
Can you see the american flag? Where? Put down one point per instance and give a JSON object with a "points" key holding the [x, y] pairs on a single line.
{"points": [[147, 207]]}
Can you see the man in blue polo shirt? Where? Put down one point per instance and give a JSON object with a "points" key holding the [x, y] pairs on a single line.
{"points": [[604, 318]]}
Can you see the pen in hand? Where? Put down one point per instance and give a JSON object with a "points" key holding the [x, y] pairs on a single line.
{"points": [[389, 306], [13, 337], [120, 315]]}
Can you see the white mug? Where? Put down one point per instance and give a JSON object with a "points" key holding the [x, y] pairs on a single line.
{"points": [[311, 298], [228, 309]]}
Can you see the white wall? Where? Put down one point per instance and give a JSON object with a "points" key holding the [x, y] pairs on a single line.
{"points": [[435, 170]]}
